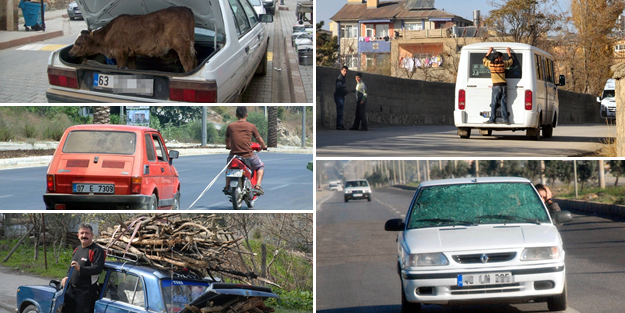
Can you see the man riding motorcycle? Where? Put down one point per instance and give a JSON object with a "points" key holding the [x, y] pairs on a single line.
{"points": [[239, 141]]}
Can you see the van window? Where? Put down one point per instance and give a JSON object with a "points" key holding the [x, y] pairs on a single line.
{"points": [[550, 73], [478, 70], [539, 67]]}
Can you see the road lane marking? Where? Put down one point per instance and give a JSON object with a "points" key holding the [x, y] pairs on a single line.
{"points": [[41, 47], [318, 207], [269, 56], [274, 188], [6, 196], [394, 209]]}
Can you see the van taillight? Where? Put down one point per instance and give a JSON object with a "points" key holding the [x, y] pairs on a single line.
{"points": [[461, 99], [50, 182], [186, 91], [528, 100], [63, 77], [135, 184]]}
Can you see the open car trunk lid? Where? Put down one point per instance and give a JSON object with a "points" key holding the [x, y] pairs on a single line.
{"points": [[220, 293]]}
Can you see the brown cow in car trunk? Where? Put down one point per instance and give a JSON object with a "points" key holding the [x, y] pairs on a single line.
{"points": [[151, 35]]}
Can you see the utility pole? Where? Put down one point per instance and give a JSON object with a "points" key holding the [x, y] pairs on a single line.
{"points": [[601, 175], [204, 114], [575, 175], [303, 127], [418, 172], [542, 172]]}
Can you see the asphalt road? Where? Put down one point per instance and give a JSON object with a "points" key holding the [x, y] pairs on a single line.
{"points": [[356, 259], [443, 141], [288, 185]]}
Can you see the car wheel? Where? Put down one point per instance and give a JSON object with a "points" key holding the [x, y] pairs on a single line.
{"points": [[71, 18], [153, 203], [464, 132], [346, 200], [30, 309], [558, 303], [547, 131], [369, 199], [408, 307], [486, 132], [176, 205]]}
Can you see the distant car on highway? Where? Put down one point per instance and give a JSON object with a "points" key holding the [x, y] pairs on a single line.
{"points": [[112, 167], [336, 186], [480, 240], [357, 189], [130, 288], [73, 11]]}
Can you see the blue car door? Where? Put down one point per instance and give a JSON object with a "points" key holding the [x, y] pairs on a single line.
{"points": [[59, 296], [124, 293]]}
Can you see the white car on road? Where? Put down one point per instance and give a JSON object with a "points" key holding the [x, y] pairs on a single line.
{"points": [[357, 189], [480, 240], [230, 43]]}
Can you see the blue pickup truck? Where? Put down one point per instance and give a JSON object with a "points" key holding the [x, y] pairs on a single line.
{"points": [[130, 288]]}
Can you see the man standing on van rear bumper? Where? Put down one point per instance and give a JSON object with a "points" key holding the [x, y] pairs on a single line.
{"points": [[498, 75]]}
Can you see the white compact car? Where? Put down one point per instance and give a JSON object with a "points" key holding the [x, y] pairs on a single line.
{"points": [[230, 44], [357, 189], [532, 94], [480, 240]]}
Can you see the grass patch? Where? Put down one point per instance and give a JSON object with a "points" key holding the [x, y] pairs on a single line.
{"points": [[23, 259], [609, 195]]}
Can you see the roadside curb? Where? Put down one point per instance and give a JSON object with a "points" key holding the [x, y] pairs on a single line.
{"points": [[30, 39], [298, 95], [594, 208]]}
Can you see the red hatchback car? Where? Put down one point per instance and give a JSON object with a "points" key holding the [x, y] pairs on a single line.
{"points": [[112, 167]]}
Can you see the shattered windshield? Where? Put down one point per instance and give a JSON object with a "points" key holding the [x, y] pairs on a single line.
{"points": [[89, 141], [181, 292], [474, 204]]}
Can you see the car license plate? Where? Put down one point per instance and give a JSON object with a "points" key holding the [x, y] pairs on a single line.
{"points": [[358, 195], [487, 114], [93, 188], [485, 279], [77, 11], [124, 84], [234, 173]]}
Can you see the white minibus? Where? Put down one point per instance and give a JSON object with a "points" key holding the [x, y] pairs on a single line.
{"points": [[532, 94]]}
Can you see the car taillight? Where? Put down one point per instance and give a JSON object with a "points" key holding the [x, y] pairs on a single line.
{"points": [[205, 92], [135, 184], [60, 207], [461, 99], [50, 182], [63, 77], [528, 100]]}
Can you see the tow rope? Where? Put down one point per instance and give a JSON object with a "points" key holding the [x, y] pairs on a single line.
{"points": [[210, 185]]}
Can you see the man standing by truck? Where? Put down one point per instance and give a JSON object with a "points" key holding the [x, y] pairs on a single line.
{"points": [[498, 75]]}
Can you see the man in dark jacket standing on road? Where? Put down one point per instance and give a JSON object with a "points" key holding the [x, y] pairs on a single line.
{"points": [[500, 89], [361, 104], [88, 262], [339, 97]]}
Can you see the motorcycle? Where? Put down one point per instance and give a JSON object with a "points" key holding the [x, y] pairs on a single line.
{"points": [[242, 181]]}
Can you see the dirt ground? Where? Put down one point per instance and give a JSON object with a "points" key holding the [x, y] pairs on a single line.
{"points": [[8, 154]]}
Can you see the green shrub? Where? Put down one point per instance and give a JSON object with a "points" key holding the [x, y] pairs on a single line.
{"points": [[258, 119], [293, 300]]}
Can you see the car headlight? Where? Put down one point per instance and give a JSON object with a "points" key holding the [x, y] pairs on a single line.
{"points": [[426, 259], [542, 253]]}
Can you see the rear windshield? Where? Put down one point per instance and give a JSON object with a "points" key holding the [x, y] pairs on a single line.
{"points": [[177, 293], [478, 70], [105, 142], [357, 183], [471, 204]]}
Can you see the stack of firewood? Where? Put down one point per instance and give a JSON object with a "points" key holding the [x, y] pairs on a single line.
{"points": [[180, 243], [238, 305]]}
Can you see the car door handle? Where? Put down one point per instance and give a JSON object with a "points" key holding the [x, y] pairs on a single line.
{"points": [[247, 49], [162, 170]]}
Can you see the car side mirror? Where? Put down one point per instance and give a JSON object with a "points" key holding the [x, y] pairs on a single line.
{"points": [[173, 154], [396, 224], [599, 99], [266, 18], [56, 284], [562, 81], [562, 217]]}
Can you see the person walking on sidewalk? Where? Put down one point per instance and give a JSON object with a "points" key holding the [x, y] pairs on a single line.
{"points": [[361, 104], [339, 97], [498, 75]]}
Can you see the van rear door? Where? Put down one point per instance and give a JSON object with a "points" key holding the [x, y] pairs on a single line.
{"points": [[479, 89]]}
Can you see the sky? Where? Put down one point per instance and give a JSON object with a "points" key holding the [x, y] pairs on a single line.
{"points": [[325, 9]]}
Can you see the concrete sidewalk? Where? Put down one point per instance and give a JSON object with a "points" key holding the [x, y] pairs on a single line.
{"points": [[54, 28]]}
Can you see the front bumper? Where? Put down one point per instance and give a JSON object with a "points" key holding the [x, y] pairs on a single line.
{"points": [[530, 120], [442, 288], [97, 202], [356, 196]]}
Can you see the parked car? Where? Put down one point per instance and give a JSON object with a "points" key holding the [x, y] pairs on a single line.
{"points": [[112, 167], [258, 6], [228, 54], [607, 101], [357, 189], [532, 89], [73, 11], [270, 6], [480, 240], [126, 287]]}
